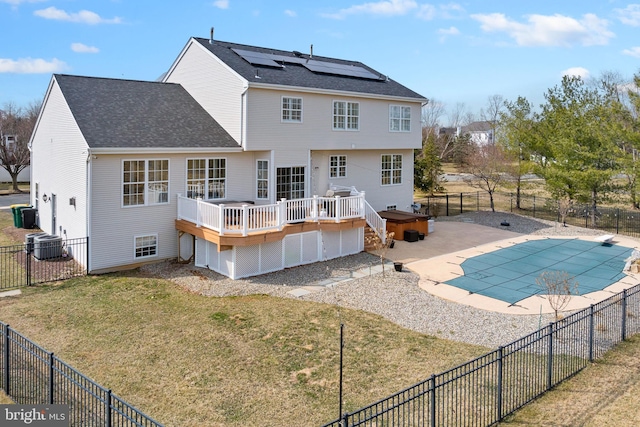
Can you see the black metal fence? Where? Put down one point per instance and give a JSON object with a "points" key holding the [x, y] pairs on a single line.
{"points": [[34, 376], [42, 260], [483, 391], [615, 220]]}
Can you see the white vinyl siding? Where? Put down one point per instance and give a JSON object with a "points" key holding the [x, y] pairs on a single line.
{"points": [[399, 118], [338, 167], [210, 82], [262, 179], [291, 110], [346, 115], [391, 169], [59, 166]]}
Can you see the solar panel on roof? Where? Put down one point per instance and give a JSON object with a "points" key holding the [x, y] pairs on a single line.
{"points": [[340, 69], [278, 61], [257, 58]]}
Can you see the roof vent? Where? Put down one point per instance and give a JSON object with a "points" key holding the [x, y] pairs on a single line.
{"points": [[298, 54], [258, 74], [211, 36], [311, 51]]}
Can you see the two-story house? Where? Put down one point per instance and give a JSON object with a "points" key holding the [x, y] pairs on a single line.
{"points": [[246, 159]]}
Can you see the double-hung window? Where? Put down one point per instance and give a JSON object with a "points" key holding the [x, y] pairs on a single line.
{"points": [[145, 182], [291, 110], [399, 118], [346, 115], [337, 167], [207, 178], [391, 169]]}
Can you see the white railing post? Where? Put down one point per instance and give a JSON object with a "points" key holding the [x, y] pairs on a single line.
{"points": [[282, 212], [362, 205], [199, 212], [314, 208], [245, 220], [338, 208], [221, 219]]}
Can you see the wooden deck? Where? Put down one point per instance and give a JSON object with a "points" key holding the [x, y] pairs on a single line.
{"points": [[227, 241]]}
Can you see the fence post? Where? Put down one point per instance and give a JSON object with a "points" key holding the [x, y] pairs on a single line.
{"points": [[511, 201], [447, 199], [534, 206], [617, 220], [432, 380], [624, 315], [591, 333], [499, 399], [27, 256], [460, 202], [107, 408], [550, 364], [6, 360], [344, 421], [51, 378]]}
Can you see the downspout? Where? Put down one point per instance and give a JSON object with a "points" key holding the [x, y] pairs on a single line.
{"points": [[88, 206]]}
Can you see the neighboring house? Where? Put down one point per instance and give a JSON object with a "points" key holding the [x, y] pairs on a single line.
{"points": [[480, 133], [234, 160]]}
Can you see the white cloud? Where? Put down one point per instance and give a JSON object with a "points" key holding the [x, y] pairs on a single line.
{"points": [[84, 16], [446, 32], [426, 12], [221, 4], [383, 8], [630, 15], [31, 66], [634, 51], [290, 13], [545, 30], [581, 72], [83, 48]]}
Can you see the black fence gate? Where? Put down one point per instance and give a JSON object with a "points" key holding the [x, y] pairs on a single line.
{"points": [[43, 258]]}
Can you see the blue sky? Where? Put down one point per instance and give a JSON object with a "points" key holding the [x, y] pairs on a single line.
{"points": [[452, 52]]}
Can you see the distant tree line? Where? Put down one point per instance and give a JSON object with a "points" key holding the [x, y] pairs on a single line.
{"points": [[584, 141]]}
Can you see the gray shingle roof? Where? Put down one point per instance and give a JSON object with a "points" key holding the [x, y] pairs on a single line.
{"points": [[299, 76], [114, 113]]}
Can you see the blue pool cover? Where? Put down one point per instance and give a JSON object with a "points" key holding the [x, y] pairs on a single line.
{"points": [[509, 274]]}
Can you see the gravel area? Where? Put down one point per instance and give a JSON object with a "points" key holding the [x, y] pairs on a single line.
{"points": [[395, 296]]}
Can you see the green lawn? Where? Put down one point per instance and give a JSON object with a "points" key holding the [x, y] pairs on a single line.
{"points": [[189, 360]]}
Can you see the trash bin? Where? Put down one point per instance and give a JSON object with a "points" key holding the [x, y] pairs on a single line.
{"points": [[17, 214], [29, 217]]}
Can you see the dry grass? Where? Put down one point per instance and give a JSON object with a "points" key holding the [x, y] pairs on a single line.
{"points": [[189, 360], [606, 393], [7, 187]]}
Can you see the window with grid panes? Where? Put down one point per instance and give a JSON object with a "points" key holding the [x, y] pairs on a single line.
{"points": [[291, 109], [391, 169], [338, 166], [346, 115], [399, 118]]}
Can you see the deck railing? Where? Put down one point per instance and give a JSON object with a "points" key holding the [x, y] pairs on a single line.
{"points": [[238, 218]]}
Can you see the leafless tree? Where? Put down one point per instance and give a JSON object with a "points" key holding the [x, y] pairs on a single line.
{"points": [[495, 106], [565, 204], [487, 167], [379, 246], [16, 126], [560, 286]]}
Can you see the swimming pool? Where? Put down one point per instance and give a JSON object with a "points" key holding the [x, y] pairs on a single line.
{"points": [[509, 274]]}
